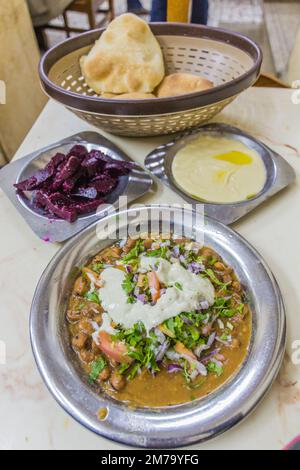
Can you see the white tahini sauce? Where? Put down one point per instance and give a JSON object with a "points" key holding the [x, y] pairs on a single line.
{"points": [[174, 301]]}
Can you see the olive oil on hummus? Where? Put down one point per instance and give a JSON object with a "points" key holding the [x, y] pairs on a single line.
{"points": [[218, 169]]}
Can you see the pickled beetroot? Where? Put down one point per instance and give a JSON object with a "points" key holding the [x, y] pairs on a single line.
{"points": [[74, 184], [104, 184]]}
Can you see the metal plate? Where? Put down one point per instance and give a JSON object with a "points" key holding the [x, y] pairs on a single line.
{"points": [[167, 426], [279, 173], [137, 183]]}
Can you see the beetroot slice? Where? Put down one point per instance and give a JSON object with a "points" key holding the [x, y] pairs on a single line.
{"points": [[104, 184], [66, 171], [85, 207], [57, 204], [96, 159], [69, 183], [74, 184], [78, 151], [41, 176], [118, 168]]}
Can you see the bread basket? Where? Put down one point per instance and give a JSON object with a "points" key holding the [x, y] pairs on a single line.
{"points": [[230, 60]]}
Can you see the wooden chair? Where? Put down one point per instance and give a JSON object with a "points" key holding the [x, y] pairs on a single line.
{"points": [[91, 8]]}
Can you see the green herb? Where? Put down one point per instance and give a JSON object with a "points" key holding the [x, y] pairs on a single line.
{"points": [[209, 272], [213, 277], [133, 253], [160, 252], [188, 334], [186, 371], [194, 386], [131, 300], [178, 285], [212, 260], [123, 368], [224, 337], [240, 308], [128, 285], [133, 371], [97, 367], [215, 368], [97, 267], [93, 297], [227, 312]]}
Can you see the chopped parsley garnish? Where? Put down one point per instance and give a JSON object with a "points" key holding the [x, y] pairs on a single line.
{"points": [[178, 285], [128, 285], [215, 368], [196, 385], [97, 267], [209, 272], [160, 252], [93, 297], [97, 367], [133, 253]]}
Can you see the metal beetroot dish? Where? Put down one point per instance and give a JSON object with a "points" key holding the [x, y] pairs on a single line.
{"points": [[74, 184], [158, 322]]}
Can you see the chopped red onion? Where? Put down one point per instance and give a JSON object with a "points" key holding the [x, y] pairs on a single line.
{"points": [[186, 320], [159, 335], [204, 305], [176, 251], [211, 339], [222, 341], [161, 351], [182, 259], [172, 355], [210, 354], [199, 349], [195, 267], [142, 298], [173, 368], [200, 368]]}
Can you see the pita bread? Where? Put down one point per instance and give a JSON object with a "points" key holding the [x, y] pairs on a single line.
{"points": [[182, 84], [135, 96], [126, 59]]}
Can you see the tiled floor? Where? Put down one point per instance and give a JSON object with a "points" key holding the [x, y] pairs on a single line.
{"points": [[272, 24]]}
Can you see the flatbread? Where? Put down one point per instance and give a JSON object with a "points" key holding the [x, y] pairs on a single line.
{"points": [[127, 58], [182, 84], [135, 96]]}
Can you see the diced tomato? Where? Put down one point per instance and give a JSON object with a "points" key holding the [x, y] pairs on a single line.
{"points": [[166, 331], [183, 351], [154, 285], [113, 349]]}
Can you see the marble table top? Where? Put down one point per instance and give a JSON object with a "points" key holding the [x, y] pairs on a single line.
{"points": [[30, 418]]}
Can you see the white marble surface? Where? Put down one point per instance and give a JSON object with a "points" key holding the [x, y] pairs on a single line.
{"points": [[29, 416]]}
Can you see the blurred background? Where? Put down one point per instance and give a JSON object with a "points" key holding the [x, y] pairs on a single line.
{"points": [[29, 27]]}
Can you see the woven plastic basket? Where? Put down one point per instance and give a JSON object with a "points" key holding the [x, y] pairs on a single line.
{"points": [[231, 61]]}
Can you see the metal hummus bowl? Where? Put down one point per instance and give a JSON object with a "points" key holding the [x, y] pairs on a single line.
{"points": [[165, 427]]}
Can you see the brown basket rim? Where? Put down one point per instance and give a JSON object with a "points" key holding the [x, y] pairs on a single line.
{"points": [[156, 106]]}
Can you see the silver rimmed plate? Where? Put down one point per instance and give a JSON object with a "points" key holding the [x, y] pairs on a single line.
{"points": [[279, 173], [167, 426], [137, 183]]}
